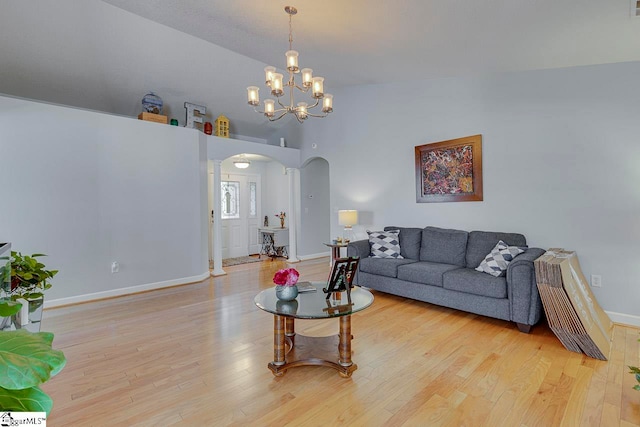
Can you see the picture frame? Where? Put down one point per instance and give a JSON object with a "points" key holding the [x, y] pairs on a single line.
{"points": [[449, 171], [341, 276]]}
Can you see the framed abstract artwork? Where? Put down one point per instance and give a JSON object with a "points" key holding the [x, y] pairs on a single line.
{"points": [[449, 171]]}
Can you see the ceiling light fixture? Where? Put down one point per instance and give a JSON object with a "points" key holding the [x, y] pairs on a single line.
{"points": [[242, 162], [274, 80]]}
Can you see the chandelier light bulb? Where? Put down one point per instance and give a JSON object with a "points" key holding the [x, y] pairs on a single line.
{"points": [[292, 60], [276, 85], [269, 71], [269, 107], [253, 96], [318, 87], [307, 75], [327, 103], [302, 110]]}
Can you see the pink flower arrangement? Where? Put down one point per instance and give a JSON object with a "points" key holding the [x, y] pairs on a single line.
{"points": [[286, 277]]}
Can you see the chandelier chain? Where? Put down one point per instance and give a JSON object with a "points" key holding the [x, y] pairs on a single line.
{"points": [[290, 34]]}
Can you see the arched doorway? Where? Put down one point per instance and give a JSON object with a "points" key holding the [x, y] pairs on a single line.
{"points": [[315, 208], [248, 197]]}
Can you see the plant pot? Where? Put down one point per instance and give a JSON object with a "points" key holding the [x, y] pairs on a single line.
{"points": [[35, 310], [32, 311]]}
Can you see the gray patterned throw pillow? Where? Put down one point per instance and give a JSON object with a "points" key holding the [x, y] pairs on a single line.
{"points": [[384, 244], [497, 261]]}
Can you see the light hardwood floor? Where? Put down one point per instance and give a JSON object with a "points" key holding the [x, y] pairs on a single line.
{"points": [[196, 355]]}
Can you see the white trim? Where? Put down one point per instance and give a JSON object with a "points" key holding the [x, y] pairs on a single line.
{"points": [[314, 256], [124, 291], [625, 319]]}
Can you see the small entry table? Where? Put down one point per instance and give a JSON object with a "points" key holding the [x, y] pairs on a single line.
{"points": [[291, 350], [274, 242]]}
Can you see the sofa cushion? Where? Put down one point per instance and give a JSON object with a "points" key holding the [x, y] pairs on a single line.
{"points": [[429, 273], [384, 244], [497, 261], [474, 282], [387, 267], [444, 246], [410, 239], [481, 242]]}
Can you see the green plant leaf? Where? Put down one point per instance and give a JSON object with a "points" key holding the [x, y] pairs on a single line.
{"points": [[27, 359], [33, 296], [9, 308], [28, 400]]}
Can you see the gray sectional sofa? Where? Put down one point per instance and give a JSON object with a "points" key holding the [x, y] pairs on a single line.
{"points": [[438, 267]]}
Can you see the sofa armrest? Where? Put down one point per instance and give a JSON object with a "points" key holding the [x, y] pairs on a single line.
{"points": [[524, 299], [359, 248]]}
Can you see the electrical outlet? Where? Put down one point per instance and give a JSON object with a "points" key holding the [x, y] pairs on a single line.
{"points": [[115, 267], [596, 281]]}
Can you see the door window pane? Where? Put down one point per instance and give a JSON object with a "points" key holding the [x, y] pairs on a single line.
{"points": [[230, 199], [252, 200]]}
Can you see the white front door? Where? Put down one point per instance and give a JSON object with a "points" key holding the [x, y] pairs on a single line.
{"points": [[240, 212]]}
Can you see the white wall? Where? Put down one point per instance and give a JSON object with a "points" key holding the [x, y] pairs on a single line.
{"points": [[275, 187], [91, 54], [561, 160], [88, 189], [314, 208]]}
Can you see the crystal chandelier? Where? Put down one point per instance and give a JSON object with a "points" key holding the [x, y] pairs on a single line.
{"points": [[275, 81]]}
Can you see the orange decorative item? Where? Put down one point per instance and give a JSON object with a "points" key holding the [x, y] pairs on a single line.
{"points": [[208, 128]]}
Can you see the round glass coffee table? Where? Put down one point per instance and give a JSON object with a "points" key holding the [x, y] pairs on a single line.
{"points": [[291, 349]]}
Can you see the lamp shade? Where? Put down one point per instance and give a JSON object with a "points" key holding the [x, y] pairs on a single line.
{"points": [[348, 217]]}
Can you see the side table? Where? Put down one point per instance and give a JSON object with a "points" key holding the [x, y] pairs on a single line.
{"points": [[335, 250]]}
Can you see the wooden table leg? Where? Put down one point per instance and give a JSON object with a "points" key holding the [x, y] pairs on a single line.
{"points": [[289, 329], [344, 347], [278, 340]]}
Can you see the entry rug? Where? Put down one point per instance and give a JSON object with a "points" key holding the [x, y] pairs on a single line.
{"points": [[240, 260]]}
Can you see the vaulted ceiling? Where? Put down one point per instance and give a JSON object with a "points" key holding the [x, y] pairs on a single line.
{"points": [[365, 41], [96, 54]]}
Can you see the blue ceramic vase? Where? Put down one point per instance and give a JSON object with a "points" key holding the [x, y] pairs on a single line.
{"points": [[286, 293]]}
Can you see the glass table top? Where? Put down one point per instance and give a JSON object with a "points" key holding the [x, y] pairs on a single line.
{"points": [[314, 305]]}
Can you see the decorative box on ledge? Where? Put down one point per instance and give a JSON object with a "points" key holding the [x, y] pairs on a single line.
{"points": [[150, 117]]}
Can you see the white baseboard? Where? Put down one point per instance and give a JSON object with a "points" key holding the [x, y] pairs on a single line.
{"points": [[123, 291], [625, 319], [314, 256]]}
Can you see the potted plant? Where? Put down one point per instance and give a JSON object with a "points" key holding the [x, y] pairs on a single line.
{"points": [[28, 361], [29, 280]]}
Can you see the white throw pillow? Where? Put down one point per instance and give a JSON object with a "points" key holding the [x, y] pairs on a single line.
{"points": [[385, 244], [497, 261]]}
